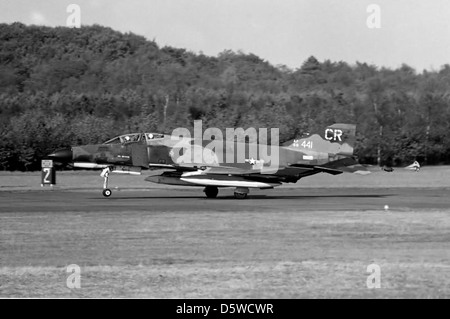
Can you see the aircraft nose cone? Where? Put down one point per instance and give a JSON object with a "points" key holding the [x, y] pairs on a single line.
{"points": [[62, 155]]}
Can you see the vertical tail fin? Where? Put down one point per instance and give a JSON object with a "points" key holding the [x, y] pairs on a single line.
{"points": [[337, 139]]}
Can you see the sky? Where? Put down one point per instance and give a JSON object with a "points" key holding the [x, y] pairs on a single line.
{"points": [[283, 32]]}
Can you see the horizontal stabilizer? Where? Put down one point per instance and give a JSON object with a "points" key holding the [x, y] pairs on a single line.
{"points": [[321, 169], [347, 164]]}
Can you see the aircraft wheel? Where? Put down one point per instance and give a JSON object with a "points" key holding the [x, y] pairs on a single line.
{"points": [[240, 195], [107, 192], [211, 192]]}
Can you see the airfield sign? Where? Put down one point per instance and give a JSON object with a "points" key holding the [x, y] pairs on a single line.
{"points": [[48, 174]]}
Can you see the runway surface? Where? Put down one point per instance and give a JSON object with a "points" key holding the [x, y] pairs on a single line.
{"points": [[176, 243], [194, 200]]}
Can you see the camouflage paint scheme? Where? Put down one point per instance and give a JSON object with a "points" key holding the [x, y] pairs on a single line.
{"points": [[328, 151]]}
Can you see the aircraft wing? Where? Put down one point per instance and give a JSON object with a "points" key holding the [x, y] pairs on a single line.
{"points": [[318, 169], [225, 176], [347, 164], [217, 170]]}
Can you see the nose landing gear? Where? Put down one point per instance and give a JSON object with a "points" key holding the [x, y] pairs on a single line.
{"points": [[107, 192], [105, 174]]}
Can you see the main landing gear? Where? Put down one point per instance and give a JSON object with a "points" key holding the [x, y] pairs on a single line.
{"points": [[105, 174], [211, 191], [239, 193]]}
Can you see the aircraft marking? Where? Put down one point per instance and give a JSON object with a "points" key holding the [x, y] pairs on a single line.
{"points": [[335, 134]]}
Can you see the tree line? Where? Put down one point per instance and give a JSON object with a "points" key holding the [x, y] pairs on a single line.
{"points": [[64, 86]]}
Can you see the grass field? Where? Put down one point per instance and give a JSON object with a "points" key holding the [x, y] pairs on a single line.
{"points": [[433, 176], [290, 252], [269, 255]]}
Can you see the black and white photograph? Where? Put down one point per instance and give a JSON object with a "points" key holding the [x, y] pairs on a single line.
{"points": [[224, 154]]}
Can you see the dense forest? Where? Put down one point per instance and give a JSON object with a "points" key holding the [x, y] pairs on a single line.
{"points": [[63, 86]]}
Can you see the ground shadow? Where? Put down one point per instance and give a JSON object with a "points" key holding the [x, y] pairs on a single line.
{"points": [[250, 197]]}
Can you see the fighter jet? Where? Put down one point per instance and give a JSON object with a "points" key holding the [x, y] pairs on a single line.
{"points": [[236, 164], [414, 166]]}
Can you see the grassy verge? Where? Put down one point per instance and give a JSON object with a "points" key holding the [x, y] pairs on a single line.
{"points": [[290, 254], [428, 177]]}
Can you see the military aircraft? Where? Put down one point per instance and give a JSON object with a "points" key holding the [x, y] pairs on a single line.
{"points": [[329, 150], [414, 166]]}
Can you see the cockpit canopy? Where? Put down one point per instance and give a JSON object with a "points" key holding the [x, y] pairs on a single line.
{"points": [[135, 137]]}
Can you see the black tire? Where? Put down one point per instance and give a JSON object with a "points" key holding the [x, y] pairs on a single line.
{"points": [[107, 192], [240, 195], [211, 192]]}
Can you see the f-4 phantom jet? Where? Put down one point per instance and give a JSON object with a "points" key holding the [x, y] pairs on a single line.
{"points": [[214, 164]]}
